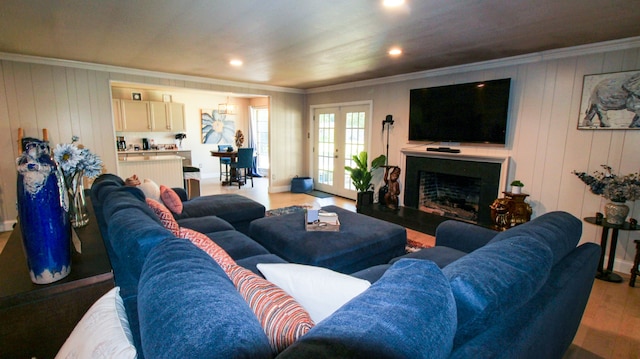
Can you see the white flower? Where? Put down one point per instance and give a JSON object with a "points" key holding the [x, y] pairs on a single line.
{"points": [[68, 156]]}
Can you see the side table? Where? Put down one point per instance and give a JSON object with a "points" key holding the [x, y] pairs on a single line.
{"points": [[607, 274], [36, 319]]}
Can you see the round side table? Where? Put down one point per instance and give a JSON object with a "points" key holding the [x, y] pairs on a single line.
{"points": [[607, 274]]}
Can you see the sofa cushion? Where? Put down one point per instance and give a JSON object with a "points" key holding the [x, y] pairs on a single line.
{"points": [[206, 224], [495, 280], [230, 207], [442, 256], [251, 262], [283, 319], [237, 244], [213, 320], [165, 216], [170, 199], [561, 231], [382, 321], [319, 290]]}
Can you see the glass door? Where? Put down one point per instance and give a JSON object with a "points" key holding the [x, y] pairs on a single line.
{"points": [[340, 133]]}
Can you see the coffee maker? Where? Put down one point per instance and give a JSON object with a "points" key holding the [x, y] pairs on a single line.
{"points": [[121, 143], [145, 144]]}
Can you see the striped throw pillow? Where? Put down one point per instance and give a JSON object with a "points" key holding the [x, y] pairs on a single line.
{"points": [[281, 317], [165, 216]]}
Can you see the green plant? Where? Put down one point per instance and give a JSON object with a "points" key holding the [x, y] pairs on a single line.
{"points": [[517, 183], [361, 175]]}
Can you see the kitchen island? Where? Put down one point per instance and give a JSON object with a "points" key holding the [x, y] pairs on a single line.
{"points": [[163, 170]]}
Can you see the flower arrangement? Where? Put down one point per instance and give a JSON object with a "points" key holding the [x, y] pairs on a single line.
{"points": [[610, 186], [74, 163]]}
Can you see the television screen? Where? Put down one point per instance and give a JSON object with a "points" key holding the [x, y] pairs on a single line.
{"points": [[472, 112]]}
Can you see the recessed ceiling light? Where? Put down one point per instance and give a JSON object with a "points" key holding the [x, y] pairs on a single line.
{"points": [[235, 62], [395, 51], [392, 3]]}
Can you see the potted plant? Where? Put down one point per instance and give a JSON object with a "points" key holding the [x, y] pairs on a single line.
{"points": [[516, 187], [361, 176]]}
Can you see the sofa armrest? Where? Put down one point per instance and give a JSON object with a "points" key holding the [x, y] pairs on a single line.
{"points": [[463, 236]]}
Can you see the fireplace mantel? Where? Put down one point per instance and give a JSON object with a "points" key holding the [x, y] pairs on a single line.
{"points": [[464, 155], [490, 169]]}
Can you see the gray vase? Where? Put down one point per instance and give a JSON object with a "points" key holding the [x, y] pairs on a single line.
{"points": [[616, 213]]}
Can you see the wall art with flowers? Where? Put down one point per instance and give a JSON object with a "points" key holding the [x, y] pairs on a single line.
{"points": [[217, 128]]}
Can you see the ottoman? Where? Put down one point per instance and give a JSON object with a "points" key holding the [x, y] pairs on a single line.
{"points": [[362, 241]]}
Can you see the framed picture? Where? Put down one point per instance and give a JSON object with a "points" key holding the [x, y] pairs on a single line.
{"points": [[217, 128], [610, 101], [136, 96]]}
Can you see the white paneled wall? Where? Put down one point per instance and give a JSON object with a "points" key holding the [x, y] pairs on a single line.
{"points": [[543, 141], [71, 101]]}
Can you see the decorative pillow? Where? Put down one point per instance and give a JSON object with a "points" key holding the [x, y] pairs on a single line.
{"points": [[132, 181], [166, 218], [103, 332], [210, 247], [281, 317], [320, 291], [150, 190], [171, 199]]}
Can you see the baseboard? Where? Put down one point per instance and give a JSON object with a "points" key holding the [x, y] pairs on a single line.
{"points": [[7, 226]]}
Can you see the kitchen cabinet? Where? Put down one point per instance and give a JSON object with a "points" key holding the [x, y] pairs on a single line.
{"points": [[167, 116], [116, 107], [136, 116], [148, 116]]}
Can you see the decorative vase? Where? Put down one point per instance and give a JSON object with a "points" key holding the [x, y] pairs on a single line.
{"points": [[616, 213], [77, 203], [44, 222]]}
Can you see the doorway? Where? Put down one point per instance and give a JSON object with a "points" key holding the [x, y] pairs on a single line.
{"points": [[340, 133], [259, 128]]}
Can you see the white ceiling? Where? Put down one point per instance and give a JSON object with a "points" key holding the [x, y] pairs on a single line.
{"points": [[304, 43]]}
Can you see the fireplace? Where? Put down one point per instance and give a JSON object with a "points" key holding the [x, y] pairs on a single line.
{"points": [[449, 195], [455, 187]]}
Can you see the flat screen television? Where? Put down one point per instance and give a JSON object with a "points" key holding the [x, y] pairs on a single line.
{"points": [[474, 112]]}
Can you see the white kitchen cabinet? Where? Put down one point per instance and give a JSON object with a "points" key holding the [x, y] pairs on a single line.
{"points": [[136, 116], [176, 113], [148, 116], [116, 107], [160, 119]]}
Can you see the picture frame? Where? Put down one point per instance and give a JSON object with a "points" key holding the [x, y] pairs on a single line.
{"points": [[136, 96], [610, 101]]}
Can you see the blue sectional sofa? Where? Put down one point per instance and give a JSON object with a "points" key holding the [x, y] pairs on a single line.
{"points": [[477, 294]]}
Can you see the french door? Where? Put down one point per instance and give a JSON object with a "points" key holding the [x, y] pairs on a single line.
{"points": [[340, 132]]}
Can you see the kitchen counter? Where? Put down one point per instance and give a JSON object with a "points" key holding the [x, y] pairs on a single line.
{"points": [[135, 155], [142, 158]]}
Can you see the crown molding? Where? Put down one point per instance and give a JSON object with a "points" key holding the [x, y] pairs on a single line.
{"points": [[138, 72], [614, 45]]}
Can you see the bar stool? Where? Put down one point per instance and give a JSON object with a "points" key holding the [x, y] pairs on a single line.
{"points": [[226, 161]]}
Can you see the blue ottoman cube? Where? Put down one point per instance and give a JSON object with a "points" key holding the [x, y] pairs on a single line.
{"points": [[362, 241]]}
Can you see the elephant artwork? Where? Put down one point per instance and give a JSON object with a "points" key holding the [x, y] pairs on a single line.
{"points": [[618, 92]]}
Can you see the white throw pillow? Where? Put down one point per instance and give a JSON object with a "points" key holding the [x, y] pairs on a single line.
{"points": [[103, 332], [320, 291], [150, 190]]}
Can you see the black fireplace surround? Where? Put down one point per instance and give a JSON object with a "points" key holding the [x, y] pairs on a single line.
{"points": [[488, 174]]}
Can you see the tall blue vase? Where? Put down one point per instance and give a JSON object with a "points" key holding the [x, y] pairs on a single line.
{"points": [[44, 221]]}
